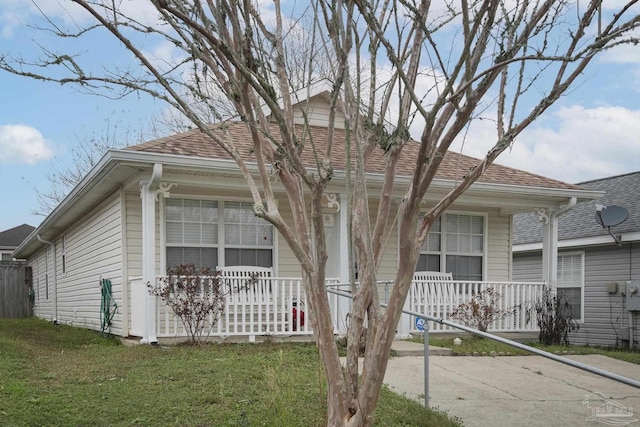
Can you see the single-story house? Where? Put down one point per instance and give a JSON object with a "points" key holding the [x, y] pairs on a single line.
{"points": [[594, 272], [10, 239], [181, 199]]}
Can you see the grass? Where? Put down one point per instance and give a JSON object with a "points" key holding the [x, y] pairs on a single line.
{"points": [[486, 346], [59, 375]]}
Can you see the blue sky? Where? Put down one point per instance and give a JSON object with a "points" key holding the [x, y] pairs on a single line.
{"points": [[592, 132]]}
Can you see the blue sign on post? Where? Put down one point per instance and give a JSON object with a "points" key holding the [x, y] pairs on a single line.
{"points": [[420, 323]]}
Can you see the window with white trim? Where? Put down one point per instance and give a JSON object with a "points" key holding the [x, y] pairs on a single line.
{"points": [[248, 239], [455, 244], [212, 233], [571, 280]]}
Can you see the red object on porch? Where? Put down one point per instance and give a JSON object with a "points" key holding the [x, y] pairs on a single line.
{"points": [[294, 312]]}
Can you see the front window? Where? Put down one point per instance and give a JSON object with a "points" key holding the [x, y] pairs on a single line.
{"points": [[214, 233], [248, 239], [191, 228], [455, 244], [571, 281]]}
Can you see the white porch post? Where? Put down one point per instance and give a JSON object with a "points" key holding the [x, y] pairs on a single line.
{"points": [[343, 220], [404, 324], [549, 248], [148, 258], [549, 219], [344, 304], [149, 190]]}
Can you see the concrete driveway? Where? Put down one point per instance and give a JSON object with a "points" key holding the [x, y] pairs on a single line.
{"points": [[520, 390]]}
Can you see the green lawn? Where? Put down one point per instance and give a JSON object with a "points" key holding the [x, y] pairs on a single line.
{"points": [[485, 346], [57, 375]]}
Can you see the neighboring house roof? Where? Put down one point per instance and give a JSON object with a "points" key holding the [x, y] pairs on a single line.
{"points": [[11, 238], [579, 222], [454, 166]]}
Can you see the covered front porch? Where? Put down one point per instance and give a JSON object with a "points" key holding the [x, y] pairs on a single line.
{"points": [[472, 242], [275, 307]]}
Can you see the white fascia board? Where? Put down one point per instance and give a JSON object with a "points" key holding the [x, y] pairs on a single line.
{"points": [[99, 169], [190, 162], [561, 193], [113, 158], [478, 188], [553, 196], [580, 242]]}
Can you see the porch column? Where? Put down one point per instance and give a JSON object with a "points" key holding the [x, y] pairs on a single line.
{"points": [[549, 219], [549, 247], [343, 220], [149, 191], [344, 304]]}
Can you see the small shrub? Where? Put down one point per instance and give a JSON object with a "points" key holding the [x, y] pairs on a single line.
{"points": [[196, 296], [481, 311], [553, 313]]}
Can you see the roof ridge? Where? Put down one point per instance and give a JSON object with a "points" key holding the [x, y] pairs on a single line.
{"points": [[608, 178]]}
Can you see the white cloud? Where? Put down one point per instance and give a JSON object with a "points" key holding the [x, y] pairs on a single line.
{"points": [[622, 54], [572, 144], [23, 144], [16, 13], [165, 56]]}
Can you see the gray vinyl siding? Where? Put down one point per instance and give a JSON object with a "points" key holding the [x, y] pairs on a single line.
{"points": [[527, 267], [605, 316]]}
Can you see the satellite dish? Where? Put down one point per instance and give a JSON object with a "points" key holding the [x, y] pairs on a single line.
{"points": [[610, 216]]}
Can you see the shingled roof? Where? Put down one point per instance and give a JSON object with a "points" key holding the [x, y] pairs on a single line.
{"points": [[455, 166], [579, 222], [12, 237]]}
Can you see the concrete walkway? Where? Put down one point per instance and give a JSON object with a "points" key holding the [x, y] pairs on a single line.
{"points": [[519, 390]]}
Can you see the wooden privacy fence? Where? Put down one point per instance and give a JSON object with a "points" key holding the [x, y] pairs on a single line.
{"points": [[15, 287]]}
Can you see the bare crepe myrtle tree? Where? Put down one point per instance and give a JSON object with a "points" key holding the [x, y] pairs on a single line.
{"points": [[396, 64], [62, 177]]}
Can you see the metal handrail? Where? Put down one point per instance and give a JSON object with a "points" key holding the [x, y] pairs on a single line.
{"points": [[566, 361]]}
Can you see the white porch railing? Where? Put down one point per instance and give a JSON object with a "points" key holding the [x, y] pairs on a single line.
{"points": [[439, 298], [268, 306], [276, 306]]}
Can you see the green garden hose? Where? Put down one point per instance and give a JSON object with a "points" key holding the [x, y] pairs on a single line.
{"points": [[108, 308]]}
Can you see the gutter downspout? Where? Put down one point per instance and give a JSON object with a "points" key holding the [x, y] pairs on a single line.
{"points": [[572, 203], [55, 278], [148, 192], [550, 242]]}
